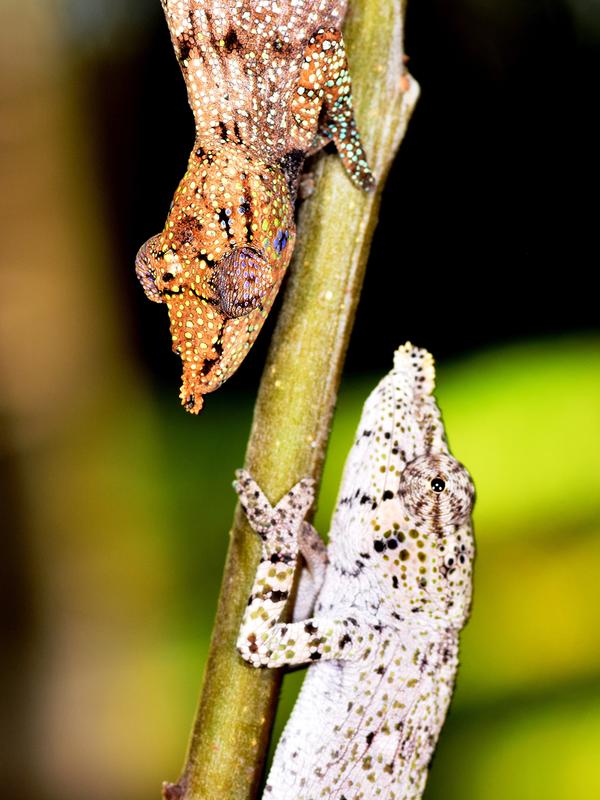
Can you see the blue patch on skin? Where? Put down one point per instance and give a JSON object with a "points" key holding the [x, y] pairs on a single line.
{"points": [[281, 240]]}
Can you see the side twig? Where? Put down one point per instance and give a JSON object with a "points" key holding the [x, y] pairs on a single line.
{"points": [[296, 398]]}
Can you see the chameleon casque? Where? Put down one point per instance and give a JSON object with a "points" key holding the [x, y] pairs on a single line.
{"points": [[378, 612], [268, 83]]}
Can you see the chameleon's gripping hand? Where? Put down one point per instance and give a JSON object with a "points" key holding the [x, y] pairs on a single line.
{"points": [[278, 527], [264, 641], [323, 103]]}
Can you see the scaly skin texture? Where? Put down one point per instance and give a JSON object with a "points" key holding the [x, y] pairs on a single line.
{"points": [[268, 84], [378, 611]]}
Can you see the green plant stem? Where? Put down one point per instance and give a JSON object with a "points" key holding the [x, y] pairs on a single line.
{"points": [[296, 398]]}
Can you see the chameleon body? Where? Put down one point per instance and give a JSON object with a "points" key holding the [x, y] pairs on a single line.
{"points": [[268, 83], [378, 612]]}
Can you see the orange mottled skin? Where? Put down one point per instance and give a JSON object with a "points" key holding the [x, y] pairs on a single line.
{"points": [[268, 84]]}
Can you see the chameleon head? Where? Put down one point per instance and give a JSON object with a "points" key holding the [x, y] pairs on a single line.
{"points": [[405, 501], [435, 491], [401, 452], [218, 264], [432, 488]]}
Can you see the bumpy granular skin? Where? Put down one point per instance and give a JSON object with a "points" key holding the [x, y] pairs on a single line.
{"points": [[378, 612], [268, 83]]}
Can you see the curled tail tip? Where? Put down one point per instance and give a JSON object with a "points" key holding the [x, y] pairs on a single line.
{"points": [[419, 364]]}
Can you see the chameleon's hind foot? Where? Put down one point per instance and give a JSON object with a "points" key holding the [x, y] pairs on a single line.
{"points": [[323, 101]]}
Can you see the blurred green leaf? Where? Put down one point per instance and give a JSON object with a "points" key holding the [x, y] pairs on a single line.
{"points": [[517, 752]]}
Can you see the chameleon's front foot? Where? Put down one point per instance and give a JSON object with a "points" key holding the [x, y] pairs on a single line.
{"points": [[278, 527], [279, 530], [264, 640]]}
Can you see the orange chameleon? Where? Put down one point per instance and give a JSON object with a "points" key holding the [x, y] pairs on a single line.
{"points": [[268, 84]]}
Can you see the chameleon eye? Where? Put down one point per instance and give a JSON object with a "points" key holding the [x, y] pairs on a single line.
{"points": [[242, 280], [168, 276], [437, 491]]}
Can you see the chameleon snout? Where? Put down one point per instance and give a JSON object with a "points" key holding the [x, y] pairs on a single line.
{"points": [[145, 269], [156, 270]]}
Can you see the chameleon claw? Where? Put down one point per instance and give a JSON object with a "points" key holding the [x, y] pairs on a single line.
{"points": [[172, 791], [299, 499], [253, 500], [368, 183]]}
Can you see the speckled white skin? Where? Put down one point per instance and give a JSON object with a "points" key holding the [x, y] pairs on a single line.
{"points": [[390, 596]]}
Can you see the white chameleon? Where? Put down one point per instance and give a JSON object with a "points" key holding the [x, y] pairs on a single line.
{"points": [[378, 611]]}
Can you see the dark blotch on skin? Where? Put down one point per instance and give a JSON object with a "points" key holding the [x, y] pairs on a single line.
{"points": [[283, 558], [291, 165], [231, 40], [184, 50], [209, 363]]}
